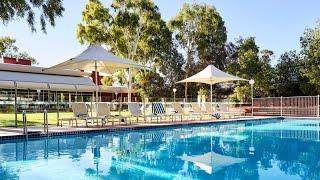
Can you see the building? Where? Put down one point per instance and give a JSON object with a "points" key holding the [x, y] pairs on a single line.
{"points": [[32, 87]]}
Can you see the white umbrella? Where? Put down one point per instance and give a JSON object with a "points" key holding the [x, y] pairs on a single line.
{"points": [[212, 162], [96, 58], [212, 75]]}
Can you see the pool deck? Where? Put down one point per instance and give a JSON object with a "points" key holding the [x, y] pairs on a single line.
{"points": [[7, 133]]}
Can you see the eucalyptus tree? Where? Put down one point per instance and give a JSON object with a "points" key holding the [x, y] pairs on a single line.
{"points": [[49, 10], [200, 32], [288, 78], [250, 65], [131, 29], [310, 43]]}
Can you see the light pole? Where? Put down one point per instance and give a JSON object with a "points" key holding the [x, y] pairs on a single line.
{"points": [[116, 93], [251, 82], [174, 94]]}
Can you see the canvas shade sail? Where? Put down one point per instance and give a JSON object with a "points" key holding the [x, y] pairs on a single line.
{"points": [[95, 57], [212, 75], [35, 81]]}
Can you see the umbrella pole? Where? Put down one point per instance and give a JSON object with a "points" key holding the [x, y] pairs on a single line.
{"points": [[96, 78], [97, 90], [211, 97]]}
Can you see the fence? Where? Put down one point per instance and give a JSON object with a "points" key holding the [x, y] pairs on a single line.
{"points": [[307, 106]]}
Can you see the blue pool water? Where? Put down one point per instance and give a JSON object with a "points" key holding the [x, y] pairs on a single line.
{"points": [[264, 149]]}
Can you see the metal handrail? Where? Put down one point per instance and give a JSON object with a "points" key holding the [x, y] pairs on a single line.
{"points": [[24, 122], [45, 122]]}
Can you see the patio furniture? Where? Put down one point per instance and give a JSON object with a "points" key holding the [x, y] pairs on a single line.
{"points": [[209, 110], [80, 112], [196, 109], [135, 112], [104, 112]]}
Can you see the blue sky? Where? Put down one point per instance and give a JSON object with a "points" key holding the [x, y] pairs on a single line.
{"points": [[276, 24]]}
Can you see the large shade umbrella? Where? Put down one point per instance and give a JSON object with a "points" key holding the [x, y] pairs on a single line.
{"points": [[96, 58], [211, 75]]}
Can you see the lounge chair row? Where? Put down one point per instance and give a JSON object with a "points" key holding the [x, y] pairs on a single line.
{"points": [[158, 113]]}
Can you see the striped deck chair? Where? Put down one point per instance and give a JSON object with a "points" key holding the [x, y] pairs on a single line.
{"points": [[104, 112], [135, 111], [158, 110]]}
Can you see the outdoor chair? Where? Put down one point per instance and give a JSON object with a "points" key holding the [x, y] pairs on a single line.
{"points": [[104, 112], [210, 110], [178, 111], [230, 111], [80, 112], [135, 112], [159, 110], [196, 109]]}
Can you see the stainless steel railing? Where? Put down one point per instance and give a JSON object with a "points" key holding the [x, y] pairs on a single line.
{"points": [[24, 123]]}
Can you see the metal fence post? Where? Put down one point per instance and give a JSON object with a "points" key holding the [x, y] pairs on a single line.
{"points": [[281, 106]]}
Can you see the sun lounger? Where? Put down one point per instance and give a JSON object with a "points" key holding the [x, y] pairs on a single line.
{"points": [[135, 112], [178, 111], [159, 110], [80, 112], [104, 113], [211, 111], [196, 109], [230, 112]]}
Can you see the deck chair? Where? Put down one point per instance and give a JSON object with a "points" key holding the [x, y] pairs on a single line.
{"points": [[136, 112], [211, 111], [104, 112], [80, 112], [230, 112], [178, 111], [196, 109], [159, 110]]}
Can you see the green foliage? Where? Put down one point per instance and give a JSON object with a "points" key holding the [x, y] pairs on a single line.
{"points": [[8, 48], [49, 10], [151, 84], [251, 66], [310, 43], [134, 30], [200, 32], [288, 78], [107, 81]]}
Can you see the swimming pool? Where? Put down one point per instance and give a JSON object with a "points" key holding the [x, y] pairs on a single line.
{"points": [[262, 149]]}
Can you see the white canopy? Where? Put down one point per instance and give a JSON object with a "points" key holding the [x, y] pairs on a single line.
{"points": [[96, 58], [212, 162], [35, 81], [212, 75], [96, 55]]}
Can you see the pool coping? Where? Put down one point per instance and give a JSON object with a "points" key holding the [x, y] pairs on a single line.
{"points": [[124, 128]]}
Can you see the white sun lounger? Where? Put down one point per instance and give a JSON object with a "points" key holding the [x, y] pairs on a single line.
{"points": [[80, 112], [135, 112], [105, 113]]}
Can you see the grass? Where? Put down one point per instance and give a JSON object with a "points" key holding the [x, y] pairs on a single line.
{"points": [[36, 119]]}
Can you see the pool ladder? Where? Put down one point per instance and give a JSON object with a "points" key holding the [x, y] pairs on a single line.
{"points": [[45, 122], [24, 123]]}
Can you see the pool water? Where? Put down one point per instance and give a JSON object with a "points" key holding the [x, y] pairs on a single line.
{"points": [[262, 149]]}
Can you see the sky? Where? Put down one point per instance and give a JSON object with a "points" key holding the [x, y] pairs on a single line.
{"points": [[276, 24]]}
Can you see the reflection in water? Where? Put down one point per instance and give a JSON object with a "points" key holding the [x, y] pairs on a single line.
{"points": [[270, 149]]}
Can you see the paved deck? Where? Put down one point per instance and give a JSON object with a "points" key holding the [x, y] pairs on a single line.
{"points": [[13, 133]]}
